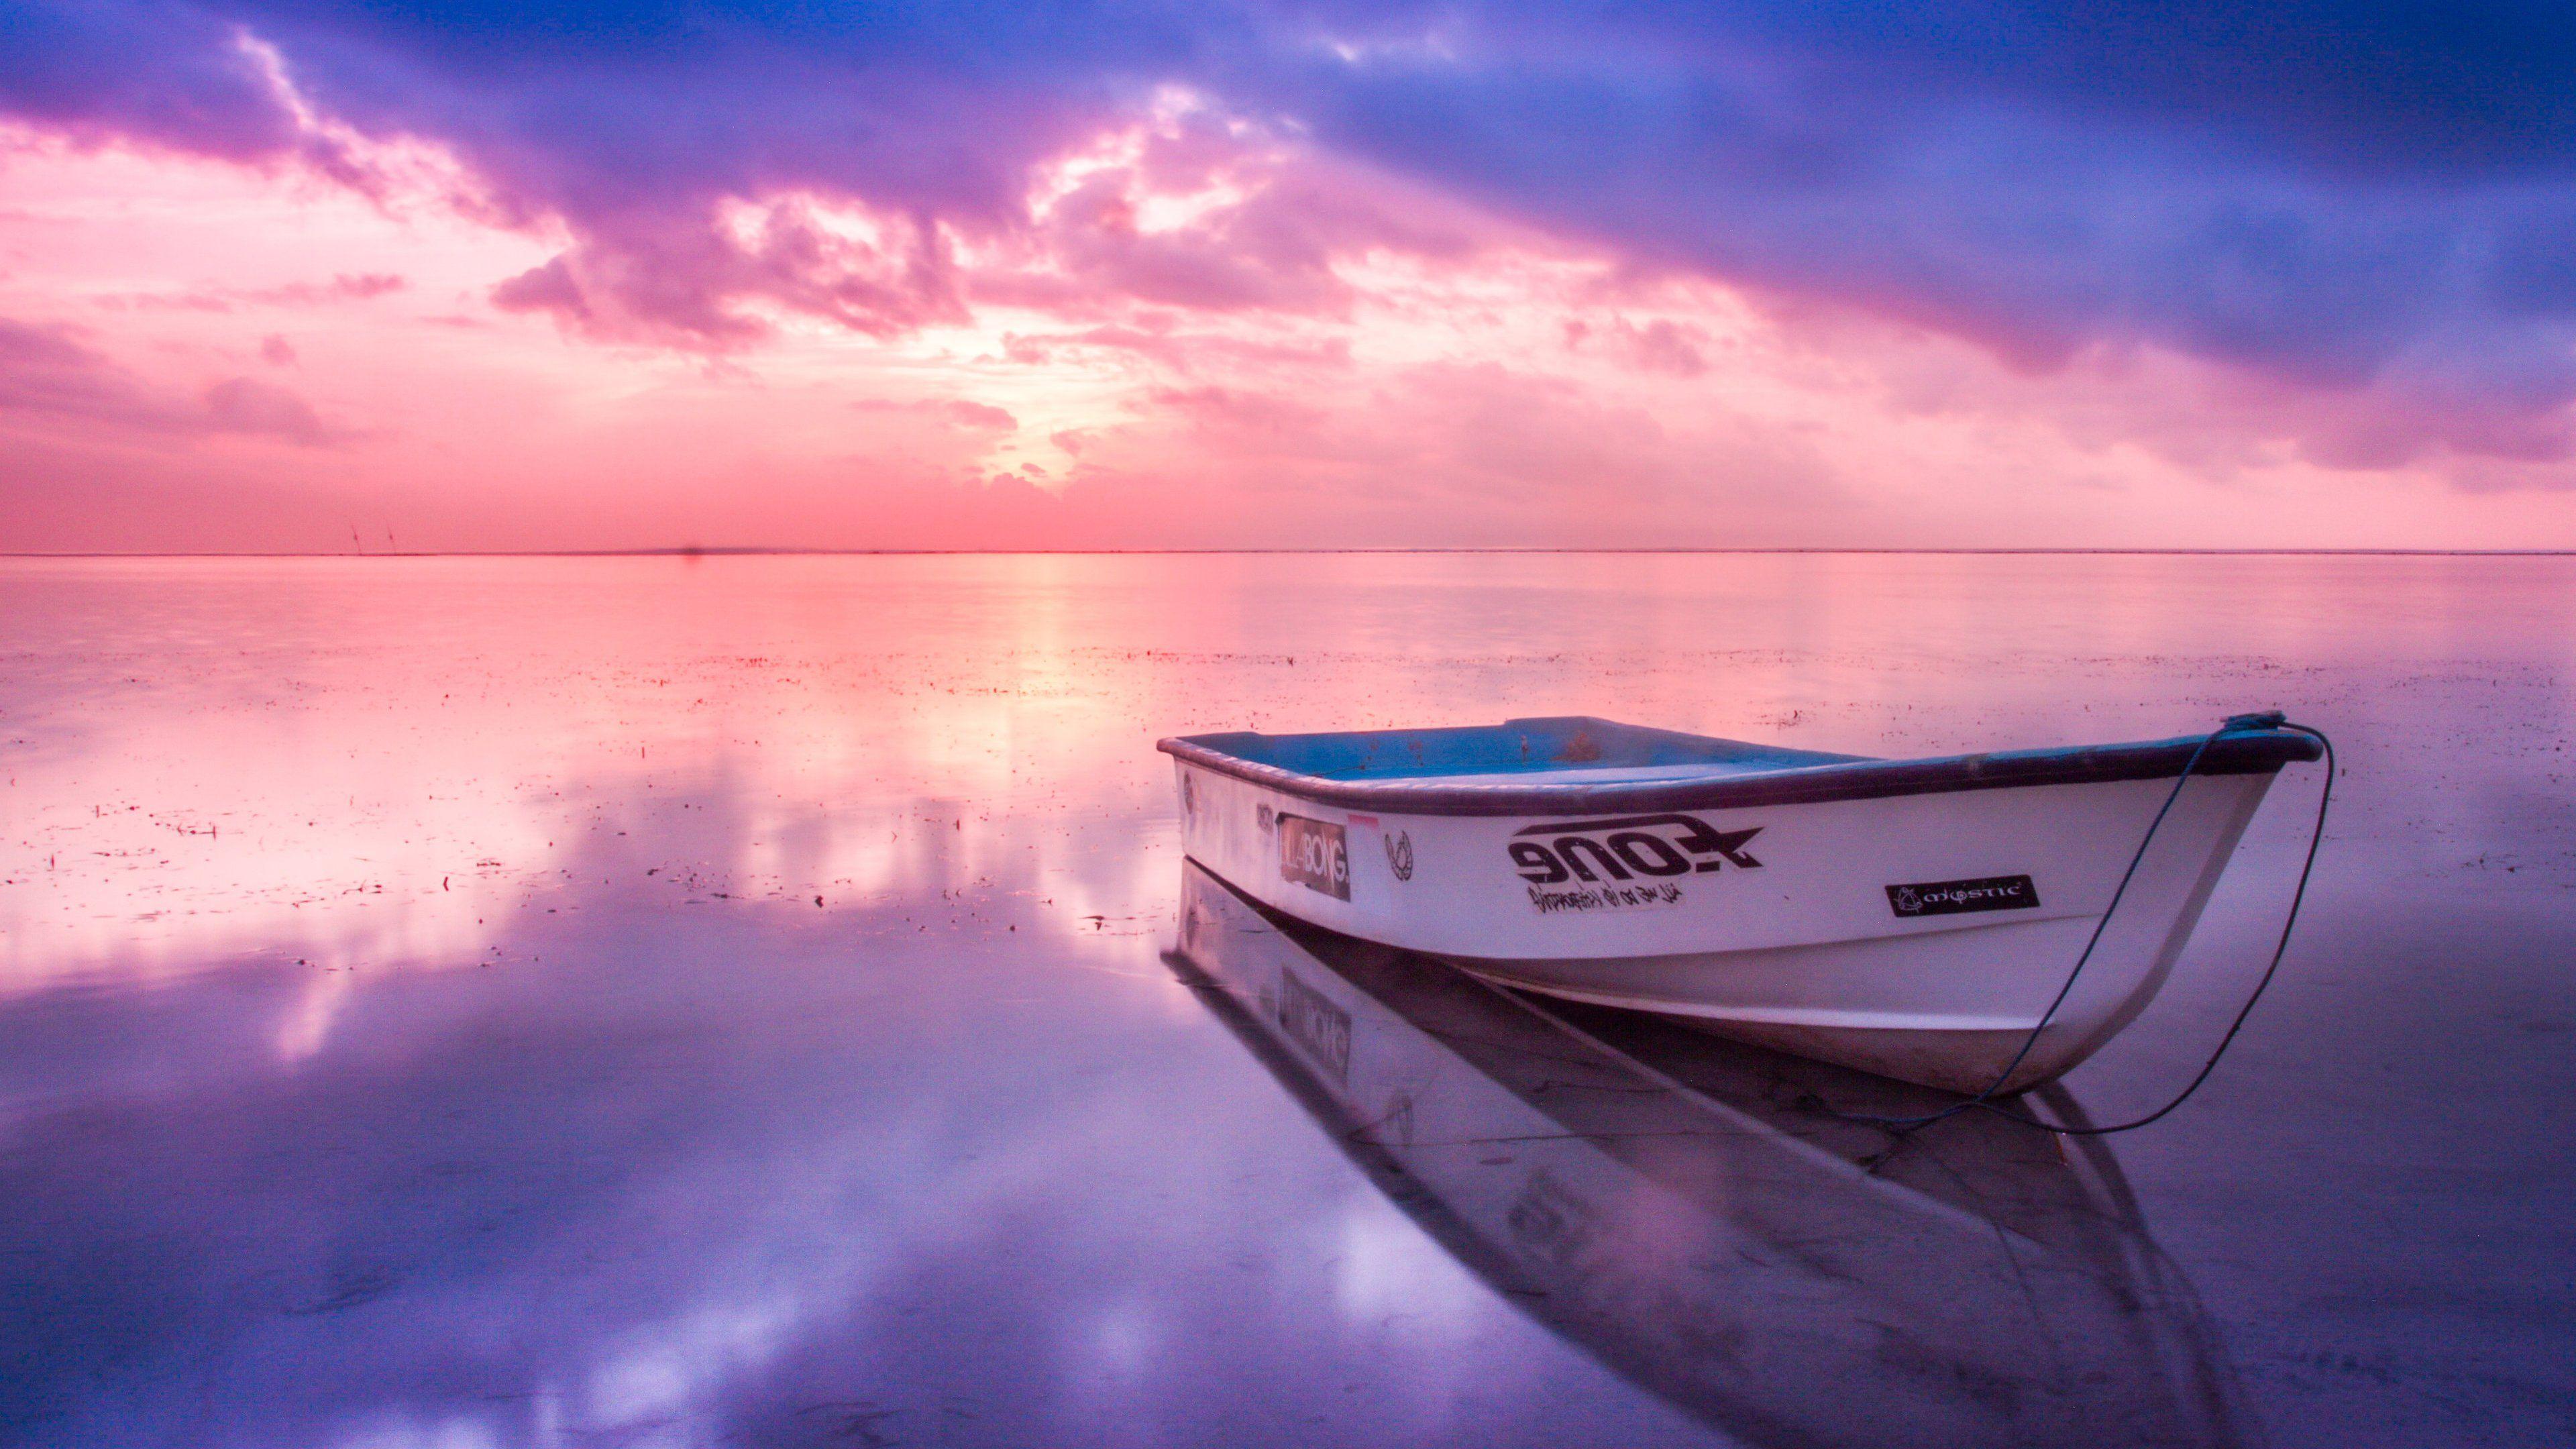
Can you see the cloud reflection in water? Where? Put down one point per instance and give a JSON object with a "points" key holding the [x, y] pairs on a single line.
{"points": [[417, 1026]]}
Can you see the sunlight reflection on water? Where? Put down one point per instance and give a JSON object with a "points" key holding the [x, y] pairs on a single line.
{"points": [[417, 1021]]}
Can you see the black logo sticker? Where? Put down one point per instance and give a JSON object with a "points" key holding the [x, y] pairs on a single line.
{"points": [[1627, 847], [1399, 854], [1954, 897], [1315, 854]]}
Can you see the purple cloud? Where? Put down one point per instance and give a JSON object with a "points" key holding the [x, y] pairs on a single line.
{"points": [[2348, 197]]}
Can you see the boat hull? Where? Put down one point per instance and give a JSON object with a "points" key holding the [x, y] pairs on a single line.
{"points": [[1920, 936]]}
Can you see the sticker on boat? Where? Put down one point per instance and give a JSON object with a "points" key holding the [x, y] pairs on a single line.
{"points": [[1626, 847], [1315, 854], [1399, 854], [1604, 897], [1955, 897]]}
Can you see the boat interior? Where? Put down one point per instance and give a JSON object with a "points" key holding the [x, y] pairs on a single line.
{"points": [[1604, 751]]}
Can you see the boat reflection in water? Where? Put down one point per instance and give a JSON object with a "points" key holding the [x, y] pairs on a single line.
{"points": [[1684, 1209]]}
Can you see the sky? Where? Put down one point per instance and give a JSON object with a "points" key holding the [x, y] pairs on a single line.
{"points": [[282, 275]]}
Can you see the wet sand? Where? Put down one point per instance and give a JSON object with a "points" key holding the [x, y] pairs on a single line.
{"points": [[744, 1000]]}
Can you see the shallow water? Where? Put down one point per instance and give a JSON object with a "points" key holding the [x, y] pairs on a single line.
{"points": [[746, 1001]]}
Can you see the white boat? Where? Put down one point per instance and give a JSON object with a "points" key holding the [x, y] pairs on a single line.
{"points": [[1912, 918], [1663, 1201]]}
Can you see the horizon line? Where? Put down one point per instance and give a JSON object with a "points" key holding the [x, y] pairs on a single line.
{"points": [[756, 551]]}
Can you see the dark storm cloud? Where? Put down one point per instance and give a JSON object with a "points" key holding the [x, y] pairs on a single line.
{"points": [[2338, 195]]}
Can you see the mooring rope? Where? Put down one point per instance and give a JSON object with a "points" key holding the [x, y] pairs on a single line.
{"points": [[1984, 1100]]}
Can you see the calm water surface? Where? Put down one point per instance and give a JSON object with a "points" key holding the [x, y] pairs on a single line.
{"points": [[762, 1001]]}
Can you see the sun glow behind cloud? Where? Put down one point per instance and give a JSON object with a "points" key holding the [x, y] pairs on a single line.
{"points": [[1191, 328]]}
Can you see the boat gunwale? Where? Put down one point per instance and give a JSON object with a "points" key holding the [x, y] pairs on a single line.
{"points": [[2237, 752]]}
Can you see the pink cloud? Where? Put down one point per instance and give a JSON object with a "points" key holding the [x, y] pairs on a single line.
{"points": [[247, 405], [50, 378], [961, 413], [342, 288], [1662, 345], [1157, 341], [1461, 382], [689, 283]]}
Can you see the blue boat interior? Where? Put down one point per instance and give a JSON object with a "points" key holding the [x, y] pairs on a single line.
{"points": [[1514, 747]]}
